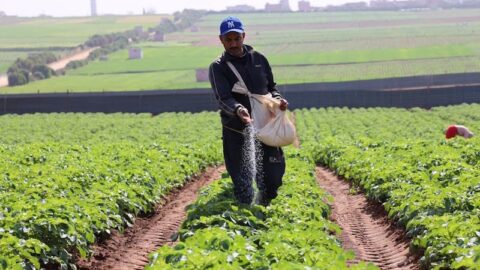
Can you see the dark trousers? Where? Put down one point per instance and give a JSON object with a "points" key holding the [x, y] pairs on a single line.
{"points": [[269, 175]]}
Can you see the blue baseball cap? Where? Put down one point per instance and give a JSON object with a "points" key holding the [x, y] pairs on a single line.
{"points": [[231, 24]]}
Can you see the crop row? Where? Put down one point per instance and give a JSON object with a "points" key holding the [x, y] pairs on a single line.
{"points": [[293, 232], [401, 159], [67, 180]]}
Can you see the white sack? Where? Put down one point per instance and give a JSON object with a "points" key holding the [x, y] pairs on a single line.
{"points": [[279, 131], [272, 125]]}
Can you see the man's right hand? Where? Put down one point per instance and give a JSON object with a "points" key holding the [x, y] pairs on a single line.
{"points": [[283, 104], [243, 114]]}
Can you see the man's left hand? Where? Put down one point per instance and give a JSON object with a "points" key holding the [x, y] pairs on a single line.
{"points": [[283, 104]]}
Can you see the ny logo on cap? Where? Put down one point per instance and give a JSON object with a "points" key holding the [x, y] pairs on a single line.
{"points": [[231, 24]]}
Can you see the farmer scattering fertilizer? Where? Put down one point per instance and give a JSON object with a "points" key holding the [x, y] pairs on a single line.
{"points": [[251, 108]]}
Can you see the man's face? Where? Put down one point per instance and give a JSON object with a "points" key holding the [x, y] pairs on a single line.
{"points": [[233, 43]]}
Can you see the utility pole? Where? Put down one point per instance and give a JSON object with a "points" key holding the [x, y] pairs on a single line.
{"points": [[93, 7]]}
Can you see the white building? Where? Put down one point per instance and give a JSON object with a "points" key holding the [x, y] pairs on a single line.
{"points": [[135, 53], [159, 36], [201, 74], [283, 6]]}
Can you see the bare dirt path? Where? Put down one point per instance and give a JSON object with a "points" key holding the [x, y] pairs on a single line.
{"points": [[3, 80], [365, 227], [62, 63], [130, 250]]}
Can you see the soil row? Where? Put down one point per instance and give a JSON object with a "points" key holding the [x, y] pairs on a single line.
{"points": [[130, 250], [365, 228]]}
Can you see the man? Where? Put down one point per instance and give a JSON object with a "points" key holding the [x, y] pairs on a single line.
{"points": [[235, 113]]}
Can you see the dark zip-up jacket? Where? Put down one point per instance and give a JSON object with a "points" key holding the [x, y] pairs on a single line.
{"points": [[257, 75]]}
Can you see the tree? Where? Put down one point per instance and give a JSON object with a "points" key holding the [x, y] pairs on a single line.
{"points": [[44, 70], [26, 64], [18, 78]]}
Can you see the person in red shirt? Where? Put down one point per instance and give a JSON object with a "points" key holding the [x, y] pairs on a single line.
{"points": [[454, 130]]}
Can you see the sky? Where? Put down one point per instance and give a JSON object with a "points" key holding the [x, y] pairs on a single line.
{"points": [[64, 8]]}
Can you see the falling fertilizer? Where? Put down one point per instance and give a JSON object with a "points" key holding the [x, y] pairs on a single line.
{"points": [[252, 157]]}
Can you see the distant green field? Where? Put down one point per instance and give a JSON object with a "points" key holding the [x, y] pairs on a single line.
{"points": [[403, 34], [296, 18], [377, 70], [356, 56], [188, 58], [112, 82], [66, 32], [302, 48], [40, 33], [7, 58], [284, 74], [156, 58]]}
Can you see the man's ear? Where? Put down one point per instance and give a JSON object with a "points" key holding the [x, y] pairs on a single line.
{"points": [[220, 38], [243, 35]]}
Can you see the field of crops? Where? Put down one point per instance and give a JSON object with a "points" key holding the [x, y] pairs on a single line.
{"points": [[400, 158], [312, 47], [293, 232], [69, 179]]}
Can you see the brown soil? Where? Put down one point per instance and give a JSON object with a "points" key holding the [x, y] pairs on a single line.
{"points": [[62, 63], [130, 250], [3, 80], [365, 227]]}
